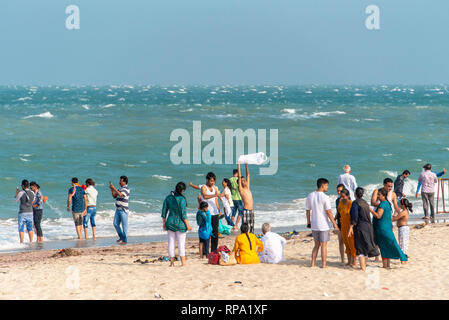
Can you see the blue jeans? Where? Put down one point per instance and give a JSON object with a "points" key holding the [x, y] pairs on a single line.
{"points": [[90, 215], [25, 219], [121, 217], [238, 204], [229, 220]]}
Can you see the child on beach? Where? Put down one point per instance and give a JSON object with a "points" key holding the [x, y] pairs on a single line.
{"points": [[402, 222], [247, 197], [203, 218]]}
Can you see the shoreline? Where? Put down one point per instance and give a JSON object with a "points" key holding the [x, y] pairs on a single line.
{"points": [[105, 242]]}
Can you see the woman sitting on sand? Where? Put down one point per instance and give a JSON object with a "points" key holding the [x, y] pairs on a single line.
{"points": [[362, 229], [344, 208], [176, 223], [247, 246], [383, 230]]}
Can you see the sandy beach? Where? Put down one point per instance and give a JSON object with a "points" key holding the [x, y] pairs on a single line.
{"points": [[112, 273]]}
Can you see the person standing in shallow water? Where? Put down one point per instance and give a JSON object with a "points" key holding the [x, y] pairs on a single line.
{"points": [[362, 229], [77, 197], [174, 220], [91, 196], [121, 197], [25, 218], [38, 207]]}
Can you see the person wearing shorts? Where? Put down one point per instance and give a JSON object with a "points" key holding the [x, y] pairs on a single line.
{"points": [[318, 211], [25, 197], [248, 217], [77, 197]]}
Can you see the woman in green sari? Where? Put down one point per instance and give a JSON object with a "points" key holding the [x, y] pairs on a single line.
{"points": [[383, 231]]}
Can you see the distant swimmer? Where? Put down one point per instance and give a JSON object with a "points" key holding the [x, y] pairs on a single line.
{"points": [[348, 180]]}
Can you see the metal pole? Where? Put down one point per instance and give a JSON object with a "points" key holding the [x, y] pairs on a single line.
{"points": [[438, 197]]}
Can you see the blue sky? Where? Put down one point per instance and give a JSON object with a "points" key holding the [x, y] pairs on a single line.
{"points": [[223, 42]]}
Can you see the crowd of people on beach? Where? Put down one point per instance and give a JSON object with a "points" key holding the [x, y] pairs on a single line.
{"points": [[363, 232]]}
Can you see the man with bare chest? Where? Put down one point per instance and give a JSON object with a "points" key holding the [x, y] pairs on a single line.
{"points": [[247, 197]]}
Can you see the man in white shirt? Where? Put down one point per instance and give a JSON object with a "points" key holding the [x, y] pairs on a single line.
{"points": [[91, 211], [318, 210], [348, 180], [273, 246]]}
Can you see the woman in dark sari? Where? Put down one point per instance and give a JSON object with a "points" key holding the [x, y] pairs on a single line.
{"points": [[362, 229]]}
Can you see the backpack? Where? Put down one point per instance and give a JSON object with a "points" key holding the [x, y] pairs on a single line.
{"points": [[214, 258]]}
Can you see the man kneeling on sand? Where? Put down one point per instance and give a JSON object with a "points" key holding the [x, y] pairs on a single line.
{"points": [[318, 210], [273, 246]]}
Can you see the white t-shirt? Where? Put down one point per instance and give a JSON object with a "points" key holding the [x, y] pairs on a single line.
{"points": [[318, 203], [91, 195]]}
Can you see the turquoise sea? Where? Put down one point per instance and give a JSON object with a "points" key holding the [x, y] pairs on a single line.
{"points": [[50, 134]]}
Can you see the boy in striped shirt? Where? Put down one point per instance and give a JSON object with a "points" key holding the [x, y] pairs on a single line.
{"points": [[121, 197]]}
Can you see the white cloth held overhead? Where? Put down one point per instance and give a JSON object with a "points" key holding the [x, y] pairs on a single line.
{"points": [[253, 158]]}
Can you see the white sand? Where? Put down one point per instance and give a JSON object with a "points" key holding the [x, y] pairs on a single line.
{"points": [[110, 273]]}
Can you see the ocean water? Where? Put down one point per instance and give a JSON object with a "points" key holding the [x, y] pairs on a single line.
{"points": [[51, 134]]}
